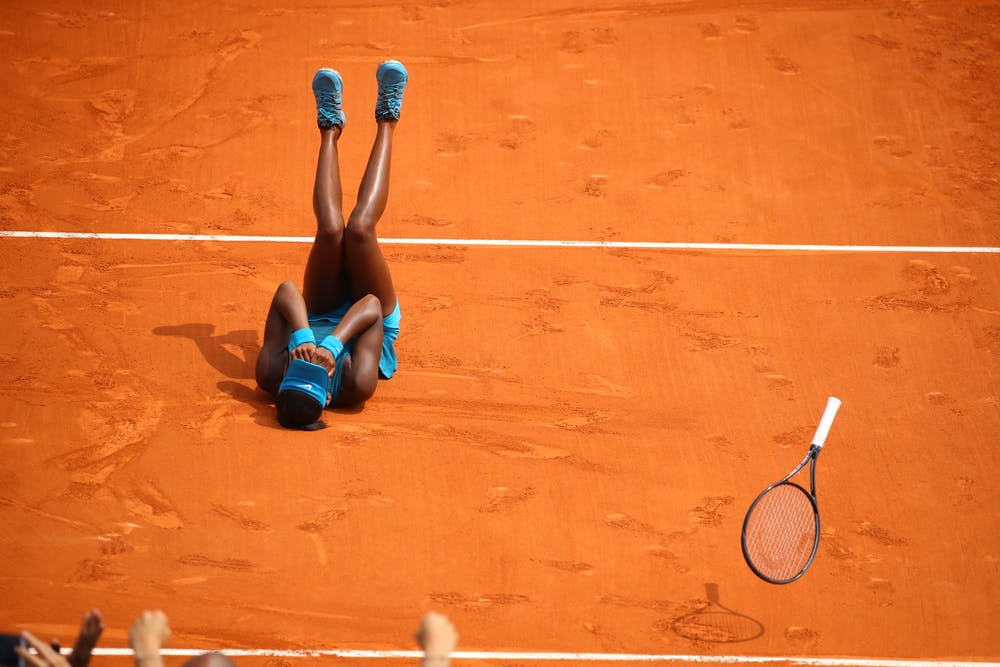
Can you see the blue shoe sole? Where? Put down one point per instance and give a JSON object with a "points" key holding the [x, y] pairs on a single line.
{"points": [[328, 117], [392, 78], [391, 66], [332, 74]]}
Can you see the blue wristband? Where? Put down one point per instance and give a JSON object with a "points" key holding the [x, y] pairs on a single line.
{"points": [[304, 335], [335, 346]]}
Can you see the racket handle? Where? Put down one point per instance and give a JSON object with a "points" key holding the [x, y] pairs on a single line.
{"points": [[826, 421]]}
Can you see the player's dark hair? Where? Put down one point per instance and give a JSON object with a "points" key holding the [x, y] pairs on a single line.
{"points": [[299, 411]]}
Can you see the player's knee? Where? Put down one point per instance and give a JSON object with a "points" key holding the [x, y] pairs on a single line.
{"points": [[360, 229], [330, 231]]}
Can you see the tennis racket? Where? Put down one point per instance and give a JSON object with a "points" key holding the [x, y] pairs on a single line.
{"points": [[781, 529]]}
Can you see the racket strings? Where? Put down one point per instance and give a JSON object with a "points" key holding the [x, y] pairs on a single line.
{"points": [[781, 532]]}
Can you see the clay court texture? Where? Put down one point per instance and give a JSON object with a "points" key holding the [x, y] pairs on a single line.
{"points": [[636, 246]]}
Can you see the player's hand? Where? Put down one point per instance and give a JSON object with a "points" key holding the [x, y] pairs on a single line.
{"points": [[437, 637], [148, 634], [323, 357], [304, 351], [47, 656]]}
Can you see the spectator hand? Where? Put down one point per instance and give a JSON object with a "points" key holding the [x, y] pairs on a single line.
{"points": [[90, 631], [437, 637], [47, 656], [148, 634]]}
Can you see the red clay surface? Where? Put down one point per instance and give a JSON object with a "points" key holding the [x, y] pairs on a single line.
{"points": [[564, 459]]}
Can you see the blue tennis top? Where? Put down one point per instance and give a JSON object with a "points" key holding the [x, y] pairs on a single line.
{"points": [[323, 325]]}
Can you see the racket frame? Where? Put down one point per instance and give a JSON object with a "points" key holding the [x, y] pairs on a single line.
{"points": [[814, 451]]}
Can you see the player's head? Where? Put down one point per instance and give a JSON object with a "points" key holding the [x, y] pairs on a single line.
{"points": [[302, 395]]}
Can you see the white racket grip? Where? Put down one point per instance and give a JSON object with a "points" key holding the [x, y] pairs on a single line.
{"points": [[826, 421]]}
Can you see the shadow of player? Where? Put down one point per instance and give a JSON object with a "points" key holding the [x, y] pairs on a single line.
{"points": [[217, 349]]}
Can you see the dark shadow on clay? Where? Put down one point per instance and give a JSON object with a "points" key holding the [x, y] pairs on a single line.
{"points": [[261, 402], [216, 348], [713, 623]]}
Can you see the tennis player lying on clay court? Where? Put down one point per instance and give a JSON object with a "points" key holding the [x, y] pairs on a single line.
{"points": [[329, 344]]}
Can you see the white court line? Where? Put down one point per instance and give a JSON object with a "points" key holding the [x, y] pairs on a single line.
{"points": [[543, 656], [521, 243]]}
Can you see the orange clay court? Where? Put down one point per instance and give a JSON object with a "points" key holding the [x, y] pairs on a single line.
{"points": [[564, 458]]}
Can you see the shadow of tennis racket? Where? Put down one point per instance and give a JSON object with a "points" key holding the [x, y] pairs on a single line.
{"points": [[716, 623]]}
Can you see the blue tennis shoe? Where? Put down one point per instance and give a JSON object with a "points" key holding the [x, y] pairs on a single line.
{"points": [[327, 87], [392, 78]]}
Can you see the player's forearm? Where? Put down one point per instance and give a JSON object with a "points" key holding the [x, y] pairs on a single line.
{"points": [[364, 313], [291, 306]]}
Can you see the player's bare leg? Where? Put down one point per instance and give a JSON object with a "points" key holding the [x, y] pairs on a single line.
{"points": [[325, 286], [369, 272], [366, 265]]}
